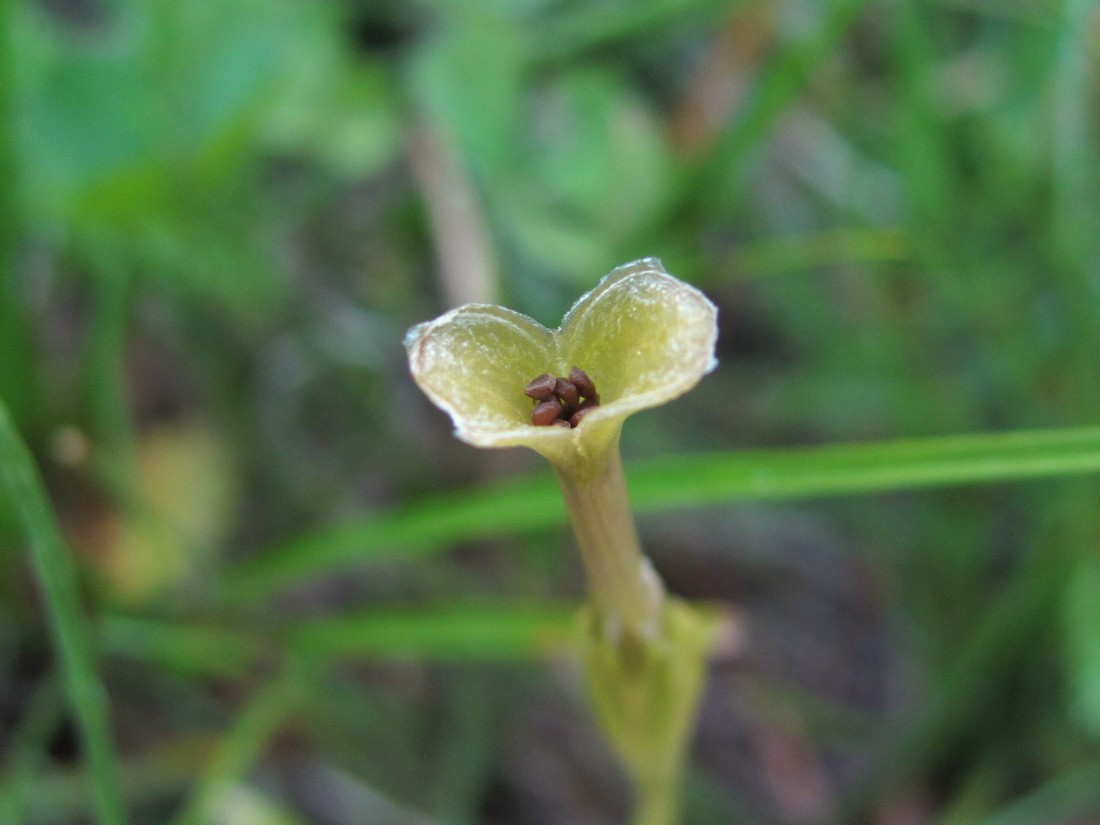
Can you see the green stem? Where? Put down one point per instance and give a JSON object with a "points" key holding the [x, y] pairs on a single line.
{"points": [[645, 654], [623, 585], [53, 568], [658, 801]]}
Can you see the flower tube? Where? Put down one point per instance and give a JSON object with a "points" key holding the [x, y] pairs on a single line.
{"points": [[640, 338]]}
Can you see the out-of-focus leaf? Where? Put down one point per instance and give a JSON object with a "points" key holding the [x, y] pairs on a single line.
{"points": [[468, 80], [342, 113], [140, 139], [597, 168], [145, 97], [579, 26], [241, 804], [186, 493]]}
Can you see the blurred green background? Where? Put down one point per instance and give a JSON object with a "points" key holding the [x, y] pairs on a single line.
{"points": [[313, 605]]}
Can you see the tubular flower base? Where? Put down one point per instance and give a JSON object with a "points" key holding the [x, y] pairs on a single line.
{"points": [[637, 340]]}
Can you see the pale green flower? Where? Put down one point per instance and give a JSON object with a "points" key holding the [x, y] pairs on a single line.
{"points": [[643, 336]]}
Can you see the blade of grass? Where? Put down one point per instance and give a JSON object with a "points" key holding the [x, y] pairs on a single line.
{"points": [[775, 256], [417, 527], [993, 653], [679, 481], [464, 765], [149, 780], [865, 468], [788, 73], [16, 376], [1073, 237], [53, 568], [28, 746], [243, 745], [923, 154], [190, 649], [107, 386], [447, 632]]}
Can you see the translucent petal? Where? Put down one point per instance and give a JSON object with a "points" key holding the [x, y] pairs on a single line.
{"points": [[642, 335], [474, 362]]}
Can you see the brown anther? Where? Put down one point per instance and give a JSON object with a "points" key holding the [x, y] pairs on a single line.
{"points": [[541, 388], [560, 403], [568, 394], [546, 413], [584, 410], [583, 383]]}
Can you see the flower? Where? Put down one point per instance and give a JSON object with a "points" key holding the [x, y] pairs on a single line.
{"points": [[643, 336], [639, 339]]}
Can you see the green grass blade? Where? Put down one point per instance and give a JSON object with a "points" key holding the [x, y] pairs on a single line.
{"points": [[679, 481], [796, 253], [54, 571], [184, 648], [59, 795], [243, 745], [420, 527], [786, 78], [865, 468], [28, 745], [449, 632], [17, 378]]}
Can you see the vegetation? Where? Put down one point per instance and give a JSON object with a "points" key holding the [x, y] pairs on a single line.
{"points": [[247, 573]]}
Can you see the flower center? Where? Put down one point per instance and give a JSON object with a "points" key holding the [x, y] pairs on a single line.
{"points": [[562, 402]]}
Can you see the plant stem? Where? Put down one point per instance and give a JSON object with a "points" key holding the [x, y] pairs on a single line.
{"points": [[658, 802], [624, 587], [54, 570], [645, 654]]}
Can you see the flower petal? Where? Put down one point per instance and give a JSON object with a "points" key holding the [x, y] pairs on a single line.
{"points": [[643, 336], [474, 362]]}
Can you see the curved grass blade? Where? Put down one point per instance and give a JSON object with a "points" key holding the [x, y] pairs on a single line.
{"points": [[457, 632], [516, 507], [244, 744], [53, 568]]}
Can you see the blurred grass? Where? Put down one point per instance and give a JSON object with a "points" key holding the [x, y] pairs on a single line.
{"points": [[16, 373], [442, 632], [211, 222], [672, 483], [261, 719], [53, 566]]}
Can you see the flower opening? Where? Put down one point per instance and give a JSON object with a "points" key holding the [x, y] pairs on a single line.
{"points": [[562, 402], [642, 336]]}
